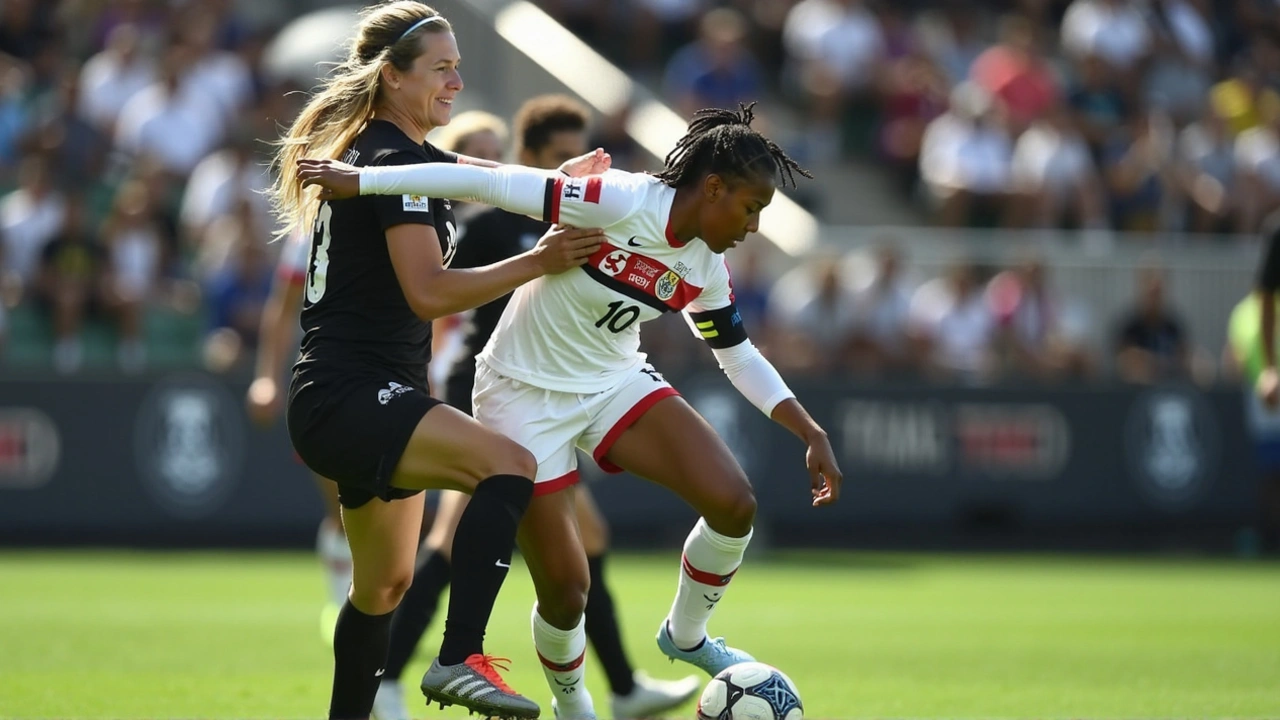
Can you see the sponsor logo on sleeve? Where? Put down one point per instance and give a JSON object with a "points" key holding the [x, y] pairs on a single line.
{"points": [[416, 203]]}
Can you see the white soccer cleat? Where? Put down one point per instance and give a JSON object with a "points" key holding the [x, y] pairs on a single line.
{"points": [[388, 704], [652, 698]]}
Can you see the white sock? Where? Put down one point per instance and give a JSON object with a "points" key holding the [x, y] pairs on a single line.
{"points": [[335, 555], [563, 653], [709, 562]]}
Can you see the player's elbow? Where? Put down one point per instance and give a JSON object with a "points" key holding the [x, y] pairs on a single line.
{"points": [[428, 307]]}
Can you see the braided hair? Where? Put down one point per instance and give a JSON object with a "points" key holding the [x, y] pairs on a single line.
{"points": [[723, 142]]}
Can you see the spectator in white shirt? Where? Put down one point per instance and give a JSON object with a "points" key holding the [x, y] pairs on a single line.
{"points": [[218, 183], [110, 79], [953, 328], [1053, 170], [882, 312], [169, 122], [965, 159], [135, 256], [834, 49], [1114, 30], [30, 217]]}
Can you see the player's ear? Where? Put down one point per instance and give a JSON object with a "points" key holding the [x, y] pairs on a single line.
{"points": [[713, 187], [389, 76]]}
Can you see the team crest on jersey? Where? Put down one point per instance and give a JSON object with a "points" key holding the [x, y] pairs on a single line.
{"points": [[666, 286], [416, 203], [614, 263]]}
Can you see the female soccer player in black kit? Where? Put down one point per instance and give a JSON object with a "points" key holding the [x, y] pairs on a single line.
{"points": [[548, 131], [358, 408]]}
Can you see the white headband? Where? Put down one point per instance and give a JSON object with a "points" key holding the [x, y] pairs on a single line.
{"points": [[419, 24]]}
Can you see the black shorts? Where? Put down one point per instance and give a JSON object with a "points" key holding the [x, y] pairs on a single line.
{"points": [[353, 431]]}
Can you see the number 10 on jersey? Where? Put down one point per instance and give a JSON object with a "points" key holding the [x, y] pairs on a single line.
{"points": [[619, 318]]}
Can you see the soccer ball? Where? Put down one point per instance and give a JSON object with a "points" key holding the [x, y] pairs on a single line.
{"points": [[750, 691]]}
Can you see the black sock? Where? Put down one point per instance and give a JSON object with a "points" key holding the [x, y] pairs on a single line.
{"points": [[482, 547], [604, 634], [416, 610], [359, 651]]}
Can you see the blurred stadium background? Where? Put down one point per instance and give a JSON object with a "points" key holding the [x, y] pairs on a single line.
{"points": [[1016, 294]]}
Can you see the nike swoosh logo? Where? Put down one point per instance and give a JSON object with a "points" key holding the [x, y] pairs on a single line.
{"points": [[501, 564], [379, 673], [632, 242]]}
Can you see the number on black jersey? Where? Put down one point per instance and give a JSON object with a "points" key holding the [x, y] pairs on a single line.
{"points": [[318, 269]]}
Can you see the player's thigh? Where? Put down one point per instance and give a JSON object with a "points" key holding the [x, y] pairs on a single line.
{"points": [[450, 450], [329, 495], [592, 526], [384, 541], [672, 445], [553, 551], [449, 511]]}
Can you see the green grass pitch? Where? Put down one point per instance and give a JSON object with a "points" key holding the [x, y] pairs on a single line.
{"points": [[168, 635]]}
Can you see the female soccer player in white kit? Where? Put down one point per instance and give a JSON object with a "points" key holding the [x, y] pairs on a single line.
{"points": [[563, 369]]}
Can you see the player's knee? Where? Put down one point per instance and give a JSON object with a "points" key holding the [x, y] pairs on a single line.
{"points": [[384, 595], [736, 514], [510, 459], [563, 607]]}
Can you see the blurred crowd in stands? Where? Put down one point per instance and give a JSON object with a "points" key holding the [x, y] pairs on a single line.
{"points": [[1137, 115], [131, 152]]}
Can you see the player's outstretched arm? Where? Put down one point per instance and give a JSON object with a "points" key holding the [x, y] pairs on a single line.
{"points": [[759, 382], [824, 474], [528, 191]]}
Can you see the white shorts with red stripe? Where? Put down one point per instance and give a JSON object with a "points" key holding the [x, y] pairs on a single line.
{"points": [[553, 424]]}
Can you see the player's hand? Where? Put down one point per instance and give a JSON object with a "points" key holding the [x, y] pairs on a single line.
{"points": [[1269, 388], [824, 474], [563, 248], [593, 163], [264, 401], [336, 180]]}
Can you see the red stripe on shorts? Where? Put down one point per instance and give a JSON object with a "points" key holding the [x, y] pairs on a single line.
{"points": [[625, 422], [556, 484]]}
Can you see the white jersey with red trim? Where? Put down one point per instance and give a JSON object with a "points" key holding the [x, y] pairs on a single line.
{"points": [[295, 257], [579, 331]]}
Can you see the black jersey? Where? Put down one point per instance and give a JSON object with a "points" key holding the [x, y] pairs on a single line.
{"points": [[354, 315], [490, 236], [1269, 273]]}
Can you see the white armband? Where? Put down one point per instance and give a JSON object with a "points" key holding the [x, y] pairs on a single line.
{"points": [[753, 375], [513, 188]]}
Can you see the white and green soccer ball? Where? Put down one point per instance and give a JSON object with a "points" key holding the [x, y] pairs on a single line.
{"points": [[750, 691]]}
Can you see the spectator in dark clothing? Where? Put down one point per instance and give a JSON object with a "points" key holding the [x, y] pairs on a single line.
{"points": [[1151, 344]]}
